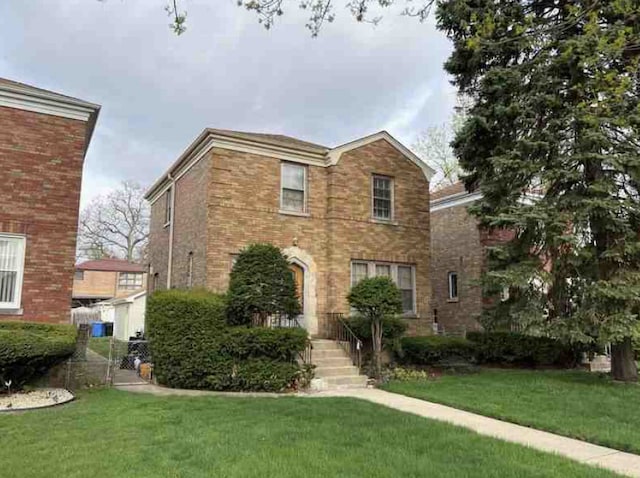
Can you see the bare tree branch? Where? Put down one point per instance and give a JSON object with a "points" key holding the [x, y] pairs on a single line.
{"points": [[115, 225]]}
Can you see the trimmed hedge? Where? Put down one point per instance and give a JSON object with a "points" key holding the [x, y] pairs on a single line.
{"points": [[436, 350], [496, 348], [193, 347], [518, 349], [28, 350]]}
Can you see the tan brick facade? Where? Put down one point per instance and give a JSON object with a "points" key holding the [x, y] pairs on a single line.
{"points": [[102, 285], [242, 197], [41, 159]]}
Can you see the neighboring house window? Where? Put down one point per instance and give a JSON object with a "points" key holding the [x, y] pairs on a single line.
{"points": [[293, 187], [167, 206], [156, 281], [402, 275], [11, 270], [382, 191], [453, 285], [130, 280], [190, 271], [79, 275]]}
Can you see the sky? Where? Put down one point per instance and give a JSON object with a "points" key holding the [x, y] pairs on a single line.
{"points": [[158, 91]]}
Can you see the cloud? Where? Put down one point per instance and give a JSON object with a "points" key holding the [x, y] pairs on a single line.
{"points": [[158, 91]]}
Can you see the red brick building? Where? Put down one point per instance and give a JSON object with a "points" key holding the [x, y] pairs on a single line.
{"points": [[339, 214], [43, 140], [458, 248]]}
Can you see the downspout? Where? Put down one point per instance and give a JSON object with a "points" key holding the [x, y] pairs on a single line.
{"points": [[172, 191]]}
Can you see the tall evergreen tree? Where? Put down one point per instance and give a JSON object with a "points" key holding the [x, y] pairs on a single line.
{"points": [[552, 142]]}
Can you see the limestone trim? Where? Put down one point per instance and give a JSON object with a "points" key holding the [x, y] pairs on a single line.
{"points": [[298, 256]]}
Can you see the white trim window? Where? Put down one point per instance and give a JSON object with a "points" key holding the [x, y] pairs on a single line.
{"points": [[130, 280], [12, 249], [359, 271], [382, 198], [453, 285], [293, 187], [403, 275]]}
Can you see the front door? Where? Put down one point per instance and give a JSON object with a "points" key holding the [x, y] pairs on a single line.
{"points": [[298, 277]]}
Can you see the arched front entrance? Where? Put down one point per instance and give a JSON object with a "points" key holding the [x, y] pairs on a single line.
{"points": [[304, 272], [298, 277]]}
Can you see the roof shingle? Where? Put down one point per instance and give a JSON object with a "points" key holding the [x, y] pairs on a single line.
{"points": [[110, 265]]}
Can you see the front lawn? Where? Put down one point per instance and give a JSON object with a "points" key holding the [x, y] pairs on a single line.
{"points": [[116, 434], [573, 403]]}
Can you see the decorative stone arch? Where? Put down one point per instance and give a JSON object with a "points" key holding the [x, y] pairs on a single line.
{"points": [[298, 256]]}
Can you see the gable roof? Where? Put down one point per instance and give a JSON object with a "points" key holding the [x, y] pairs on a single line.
{"points": [[274, 145], [453, 195], [110, 265], [336, 153], [30, 98], [455, 188], [276, 139]]}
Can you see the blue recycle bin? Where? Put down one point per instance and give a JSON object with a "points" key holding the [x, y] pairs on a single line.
{"points": [[97, 329]]}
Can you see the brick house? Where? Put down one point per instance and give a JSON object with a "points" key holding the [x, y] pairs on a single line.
{"points": [[44, 137], [458, 248], [339, 214], [105, 279]]}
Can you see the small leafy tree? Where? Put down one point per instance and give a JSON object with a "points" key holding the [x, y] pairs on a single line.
{"points": [[261, 284], [376, 298]]}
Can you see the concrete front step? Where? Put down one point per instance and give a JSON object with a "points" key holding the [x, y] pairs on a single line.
{"points": [[323, 372], [334, 369], [340, 361], [325, 345], [327, 354], [349, 381]]}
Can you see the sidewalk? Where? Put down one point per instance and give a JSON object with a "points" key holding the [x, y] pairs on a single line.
{"points": [[614, 460]]}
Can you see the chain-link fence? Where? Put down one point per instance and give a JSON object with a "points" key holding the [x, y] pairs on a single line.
{"points": [[105, 361]]}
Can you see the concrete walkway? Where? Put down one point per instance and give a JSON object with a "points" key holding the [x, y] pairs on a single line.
{"points": [[588, 453], [614, 460]]}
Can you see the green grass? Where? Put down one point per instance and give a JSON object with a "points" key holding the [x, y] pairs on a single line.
{"points": [[573, 403], [109, 433], [100, 345]]}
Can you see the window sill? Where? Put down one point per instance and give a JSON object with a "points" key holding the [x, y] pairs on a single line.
{"points": [[11, 311], [411, 315], [452, 301], [294, 213], [384, 221]]}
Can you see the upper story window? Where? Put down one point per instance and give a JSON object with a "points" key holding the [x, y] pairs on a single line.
{"points": [[11, 270], [79, 275], [382, 193], [453, 286], [130, 280], [168, 205], [293, 193]]}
